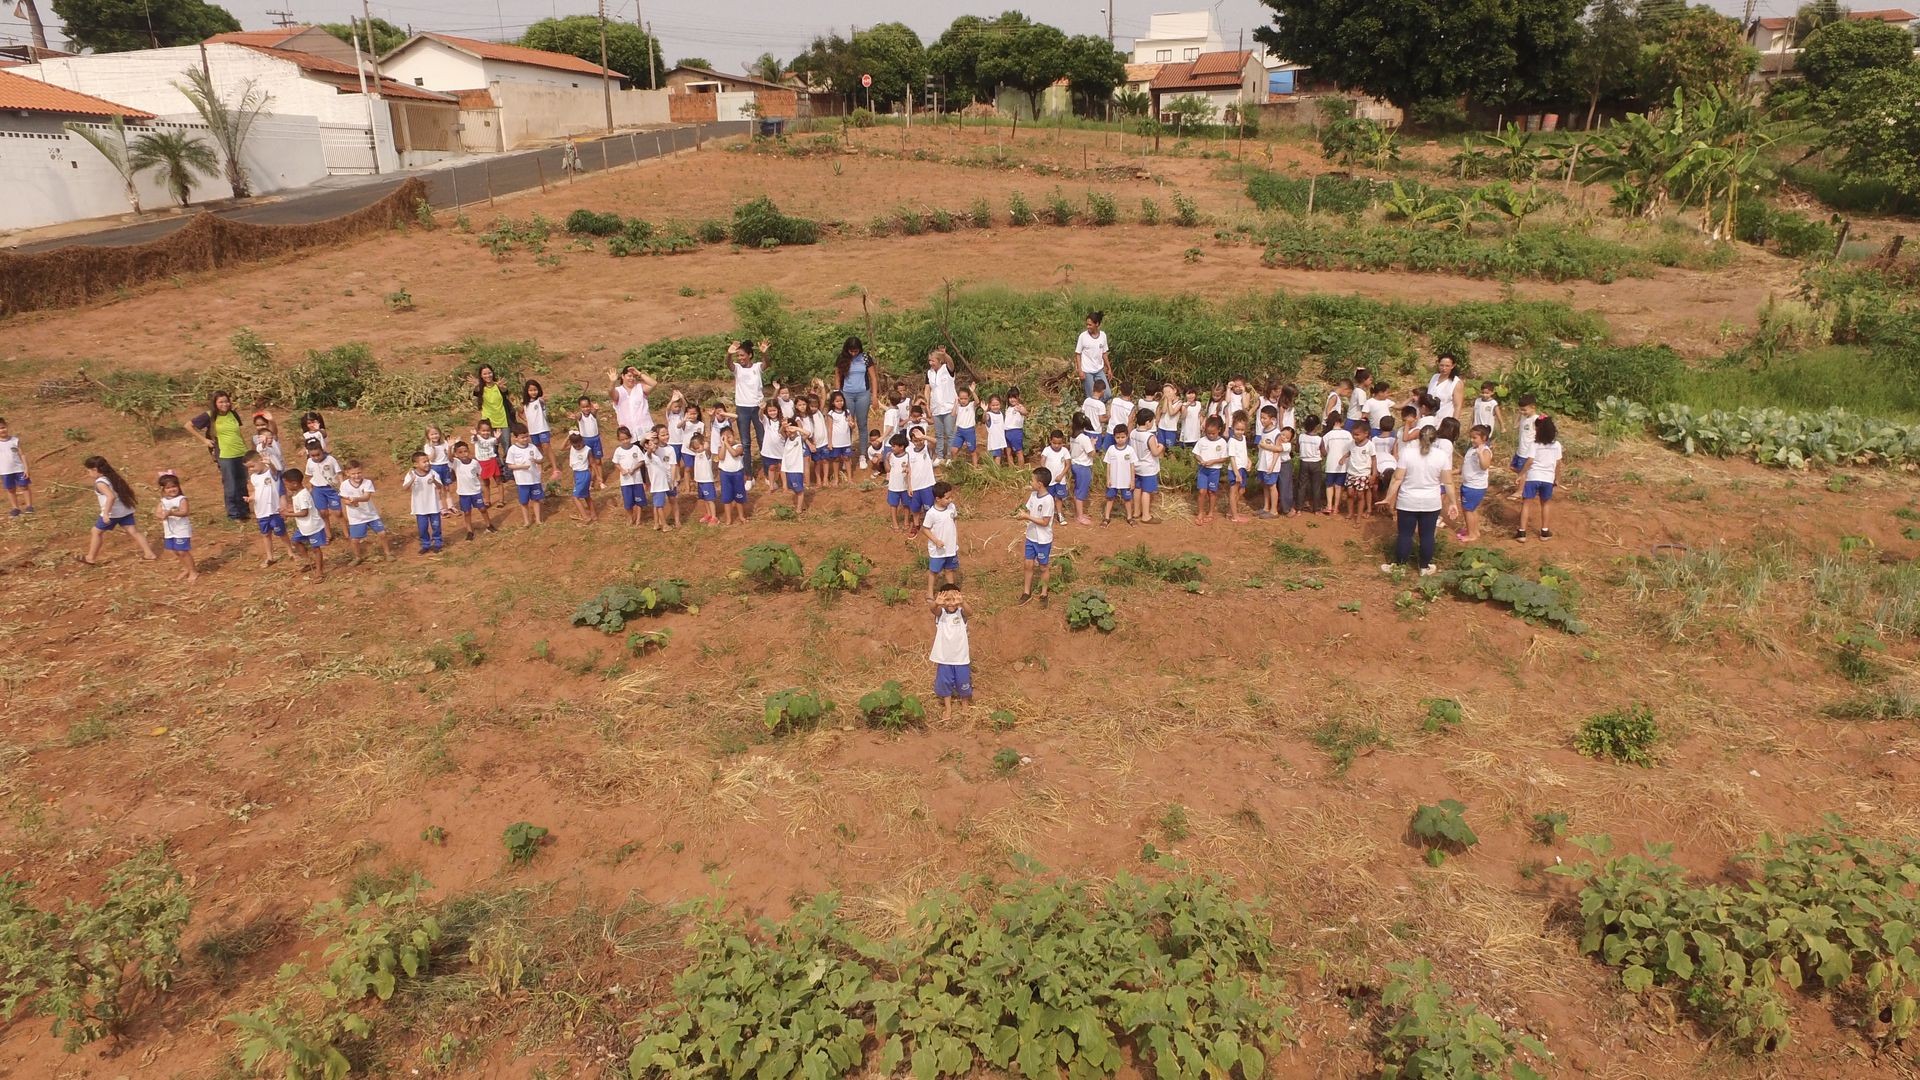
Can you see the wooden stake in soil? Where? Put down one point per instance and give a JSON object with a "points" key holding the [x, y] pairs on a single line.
{"points": [[541, 167], [489, 181], [1311, 181]]}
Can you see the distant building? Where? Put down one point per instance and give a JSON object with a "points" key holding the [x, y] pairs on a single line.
{"points": [[1233, 81], [1780, 55], [530, 95], [1178, 37], [446, 62]]}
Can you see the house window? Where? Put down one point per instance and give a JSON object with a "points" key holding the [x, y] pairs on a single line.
{"points": [[1162, 56], [1189, 54], [419, 82]]}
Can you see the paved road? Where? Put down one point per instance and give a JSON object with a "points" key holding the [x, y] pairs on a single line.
{"points": [[461, 185]]}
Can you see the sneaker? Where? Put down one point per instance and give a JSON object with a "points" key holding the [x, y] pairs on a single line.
{"points": [[15, 512], [1546, 534], [1429, 570], [1387, 568], [1025, 596]]}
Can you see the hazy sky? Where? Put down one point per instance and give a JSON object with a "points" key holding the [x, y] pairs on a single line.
{"points": [[732, 32]]}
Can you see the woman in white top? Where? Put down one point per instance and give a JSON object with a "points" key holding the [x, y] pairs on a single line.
{"points": [[1422, 488], [1448, 387], [942, 397], [747, 366], [630, 411], [1092, 353], [116, 510], [1542, 469]]}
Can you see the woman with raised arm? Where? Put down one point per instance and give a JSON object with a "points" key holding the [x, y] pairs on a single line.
{"points": [[220, 429]]}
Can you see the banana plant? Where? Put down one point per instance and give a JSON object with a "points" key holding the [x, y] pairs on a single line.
{"points": [[1460, 213], [1415, 205], [1515, 202]]}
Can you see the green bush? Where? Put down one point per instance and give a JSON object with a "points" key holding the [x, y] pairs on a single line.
{"points": [[613, 606], [334, 378], [1089, 607], [788, 711], [1332, 194], [771, 566], [891, 709], [1101, 208], [523, 840], [1573, 382], [1484, 574], [1059, 209], [1442, 829], [759, 220], [1435, 1036], [842, 570], [1135, 562], [1625, 735], [1018, 212], [590, 223]]}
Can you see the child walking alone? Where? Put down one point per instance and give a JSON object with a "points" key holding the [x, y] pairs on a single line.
{"points": [[952, 660]]}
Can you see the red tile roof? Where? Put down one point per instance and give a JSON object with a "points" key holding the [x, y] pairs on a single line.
{"points": [[1142, 72], [1882, 15], [520, 54], [1209, 71], [19, 93], [1221, 63], [270, 38], [1775, 24], [344, 76], [475, 99]]}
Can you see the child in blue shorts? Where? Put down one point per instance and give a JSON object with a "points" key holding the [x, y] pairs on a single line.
{"points": [[1210, 457], [1039, 513], [899, 499], [363, 518], [952, 660], [796, 441], [580, 461], [13, 473], [919, 478], [176, 527], [523, 459], [263, 495], [630, 468], [662, 491], [943, 540], [1080, 461]]}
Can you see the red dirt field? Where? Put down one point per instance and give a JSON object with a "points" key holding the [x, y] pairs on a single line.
{"points": [[281, 735]]}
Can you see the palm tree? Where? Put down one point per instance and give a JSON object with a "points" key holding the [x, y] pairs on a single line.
{"points": [[768, 67], [114, 148], [178, 156], [228, 124]]}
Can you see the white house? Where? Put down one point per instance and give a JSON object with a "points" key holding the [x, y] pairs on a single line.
{"points": [[1780, 54], [1177, 37], [1233, 81], [532, 94]]}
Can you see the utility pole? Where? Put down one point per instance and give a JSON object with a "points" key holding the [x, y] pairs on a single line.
{"points": [[282, 19], [652, 82], [606, 80], [373, 57], [1109, 24], [373, 141]]}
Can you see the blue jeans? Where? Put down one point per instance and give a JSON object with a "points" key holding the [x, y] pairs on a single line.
{"points": [[747, 428], [859, 402], [1087, 379], [943, 426], [1286, 487], [233, 484], [1409, 520]]}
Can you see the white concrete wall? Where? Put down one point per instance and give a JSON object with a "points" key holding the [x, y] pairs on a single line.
{"points": [[499, 71], [531, 113], [729, 106], [435, 66]]}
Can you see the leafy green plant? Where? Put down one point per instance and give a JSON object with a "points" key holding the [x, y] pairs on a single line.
{"points": [[591, 223], [610, 609], [1442, 829], [894, 595], [1101, 208], [523, 840], [1442, 714], [1852, 649], [1130, 563], [771, 566], [1787, 439], [1344, 741], [1089, 607], [1484, 574], [1005, 760], [1435, 1036], [1002, 720], [1288, 551], [1173, 824], [1549, 826], [1185, 212], [1626, 735], [1059, 210], [375, 942], [435, 835], [980, 214], [842, 570], [642, 642], [1149, 212], [759, 220], [792, 710], [891, 709], [1018, 211]]}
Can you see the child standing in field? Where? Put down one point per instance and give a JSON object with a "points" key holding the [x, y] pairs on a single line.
{"points": [[586, 424], [1360, 474], [1268, 463], [266, 439], [1542, 471], [1210, 457], [440, 460], [363, 518], [176, 527], [874, 458], [1166, 418], [1147, 452], [534, 413], [952, 661], [1057, 459], [1039, 513], [309, 539], [840, 438], [1306, 493], [794, 442], [1235, 478], [1192, 413], [1337, 446], [469, 493], [919, 478], [966, 425], [523, 461], [263, 495], [705, 486], [1016, 428], [1486, 411], [424, 486], [313, 427], [662, 460], [1080, 461], [580, 461], [1523, 435], [630, 468], [13, 473], [1119, 461], [322, 473], [773, 443], [996, 430], [116, 510], [943, 540], [1475, 467], [733, 479], [899, 498], [486, 451]]}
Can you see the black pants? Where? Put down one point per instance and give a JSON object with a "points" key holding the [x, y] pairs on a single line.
{"points": [[233, 483], [1425, 521]]}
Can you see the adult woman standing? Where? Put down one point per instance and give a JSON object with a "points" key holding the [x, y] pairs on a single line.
{"points": [[491, 400], [1422, 488], [1448, 387], [854, 372], [942, 397], [220, 428], [630, 411]]}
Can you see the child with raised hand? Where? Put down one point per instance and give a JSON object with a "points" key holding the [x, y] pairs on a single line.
{"points": [[705, 480], [13, 473], [943, 539], [423, 484], [966, 425], [1166, 418], [1119, 462], [662, 493], [580, 461], [486, 451], [899, 498], [440, 460], [176, 526], [363, 518], [1542, 471], [795, 441], [1269, 460], [733, 479], [1476, 466], [1337, 445], [1210, 456], [309, 533], [1235, 478], [1147, 452], [1192, 420], [323, 484], [263, 496], [586, 424], [523, 460], [1080, 459], [920, 477], [1360, 474], [469, 494], [630, 468], [952, 660], [1039, 513], [1016, 428], [996, 430], [874, 458]]}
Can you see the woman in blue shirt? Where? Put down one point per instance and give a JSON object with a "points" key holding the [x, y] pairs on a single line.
{"points": [[855, 372]]}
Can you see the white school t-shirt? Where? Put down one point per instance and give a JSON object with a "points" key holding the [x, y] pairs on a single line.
{"points": [[702, 467], [1544, 464], [943, 537], [630, 409], [1523, 448], [1145, 462], [731, 459], [172, 527], [1040, 505], [588, 425], [266, 494], [1095, 411], [1119, 462], [425, 490], [746, 384], [1081, 450], [1336, 445], [1190, 414], [1360, 458], [996, 431], [793, 455], [10, 460], [1269, 460], [1055, 460], [773, 441], [263, 442], [536, 413], [1485, 412], [1211, 453], [1378, 409], [1310, 446], [631, 463], [919, 469], [466, 477], [323, 473], [660, 468], [942, 395], [1421, 477], [486, 447], [358, 513], [1093, 352], [1237, 454], [525, 463], [579, 458], [1443, 389], [1119, 411], [964, 418], [839, 429], [949, 639], [1167, 419], [306, 518], [1016, 418], [1473, 472], [436, 452]]}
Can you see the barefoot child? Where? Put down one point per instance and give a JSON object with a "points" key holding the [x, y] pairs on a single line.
{"points": [[1360, 474], [309, 539], [263, 495], [1016, 433], [1474, 469], [996, 430], [440, 460], [943, 540], [523, 460], [1337, 446], [1039, 513], [586, 424], [966, 428], [424, 485], [176, 528], [1269, 462], [952, 662], [322, 472], [363, 518], [13, 473]]}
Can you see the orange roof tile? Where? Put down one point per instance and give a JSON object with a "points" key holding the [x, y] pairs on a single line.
{"points": [[270, 38], [520, 54], [1142, 72], [1220, 63], [1882, 15], [475, 99], [19, 93]]}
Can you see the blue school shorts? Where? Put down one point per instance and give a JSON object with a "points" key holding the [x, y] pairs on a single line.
{"points": [[1207, 478], [311, 540], [1336, 479], [1082, 480], [1124, 494], [125, 521], [941, 563], [272, 525], [686, 458], [531, 493], [473, 502], [894, 498], [540, 438], [444, 472], [326, 498], [582, 484], [1016, 439], [631, 495], [797, 483], [15, 481], [706, 492], [1104, 442], [1168, 439], [1270, 479], [1058, 491], [733, 486], [967, 438], [1352, 423], [1517, 463], [1236, 478], [843, 453], [358, 530], [770, 465], [178, 543], [1470, 497], [1537, 489], [953, 680], [593, 445], [1039, 553], [1148, 484], [921, 500], [658, 498]]}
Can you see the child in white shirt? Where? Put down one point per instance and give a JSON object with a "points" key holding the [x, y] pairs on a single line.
{"points": [[919, 477], [523, 460], [309, 525], [662, 460], [423, 484], [1236, 477], [899, 499], [952, 661], [263, 495], [943, 540], [580, 462], [469, 490], [1336, 444], [630, 468], [1039, 513], [1543, 471], [13, 473], [1119, 461], [1147, 452], [363, 518], [1080, 463]]}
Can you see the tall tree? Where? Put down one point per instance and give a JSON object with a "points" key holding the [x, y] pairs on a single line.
{"points": [[126, 25], [229, 124], [767, 67], [829, 62], [386, 36], [1876, 127], [1025, 58], [1838, 51], [1093, 70], [629, 48], [1490, 50], [112, 145], [177, 156], [1606, 63], [955, 57], [1810, 17], [1696, 51], [891, 52], [691, 61]]}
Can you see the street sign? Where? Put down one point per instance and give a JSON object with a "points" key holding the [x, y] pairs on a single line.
{"points": [[866, 80]]}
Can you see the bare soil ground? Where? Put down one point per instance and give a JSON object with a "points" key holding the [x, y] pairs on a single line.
{"points": [[282, 735]]}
